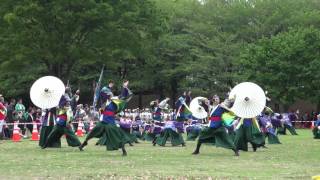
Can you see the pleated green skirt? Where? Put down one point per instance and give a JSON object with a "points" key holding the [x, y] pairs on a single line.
{"points": [[217, 136], [316, 133], [44, 133], [110, 135], [193, 135], [168, 134], [248, 134]]}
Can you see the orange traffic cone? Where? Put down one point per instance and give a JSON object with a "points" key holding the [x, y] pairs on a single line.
{"points": [[16, 135], [79, 130], [35, 133], [91, 126]]}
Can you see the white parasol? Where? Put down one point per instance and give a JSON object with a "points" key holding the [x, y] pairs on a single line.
{"points": [[196, 109], [249, 100], [46, 92]]}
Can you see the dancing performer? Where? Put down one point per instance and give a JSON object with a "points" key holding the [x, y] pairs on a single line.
{"points": [[193, 130], [169, 132], [267, 129], [248, 131], [48, 120], [126, 125], [182, 114], [63, 126], [156, 110], [286, 124], [316, 128], [216, 133], [115, 138], [136, 124]]}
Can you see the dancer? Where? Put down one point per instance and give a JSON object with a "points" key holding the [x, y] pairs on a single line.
{"points": [[216, 132], [169, 132], [48, 120], [63, 126], [248, 131], [115, 138], [316, 128]]}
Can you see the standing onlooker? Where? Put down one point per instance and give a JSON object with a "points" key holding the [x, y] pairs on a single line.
{"points": [[305, 119], [79, 115], [20, 115], [74, 101], [20, 107], [10, 115], [3, 114], [293, 118]]}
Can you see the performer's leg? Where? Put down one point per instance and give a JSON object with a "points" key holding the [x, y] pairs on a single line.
{"points": [[124, 152], [197, 150], [224, 140], [96, 132], [240, 141], [206, 136], [72, 139], [54, 136]]}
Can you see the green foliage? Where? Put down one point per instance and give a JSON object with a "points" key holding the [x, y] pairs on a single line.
{"points": [[162, 46], [285, 64]]}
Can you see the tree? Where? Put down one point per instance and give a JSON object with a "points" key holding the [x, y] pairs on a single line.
{"points": [[285, 65]]}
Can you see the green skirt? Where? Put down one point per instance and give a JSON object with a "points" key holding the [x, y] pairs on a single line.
{"points": [[110, 135], [193, 135], [175, 138], [216, 136], [281, 130], [102, 140], [248, 134], [131, 137], [44, 133], [316, 133], [148, 136], [291, 129], [137, 134], [58, 131], [272, 139]]}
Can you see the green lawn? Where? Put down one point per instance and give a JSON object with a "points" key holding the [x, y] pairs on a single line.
{"points": [[298, 157]]}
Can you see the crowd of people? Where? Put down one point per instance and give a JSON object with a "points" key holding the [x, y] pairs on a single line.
{"points": [[116, 126]]}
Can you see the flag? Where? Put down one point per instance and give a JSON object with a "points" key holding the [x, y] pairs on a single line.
{"points": [[97, 90]]}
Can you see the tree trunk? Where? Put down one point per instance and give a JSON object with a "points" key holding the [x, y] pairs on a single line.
{"points": [[161, 95], [276, 107], [140, 100], [174, 91]]}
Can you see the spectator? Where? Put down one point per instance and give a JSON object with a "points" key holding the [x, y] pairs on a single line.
{"points": [[3, 113], [21, 116], [20, 107], [79, 115], [74, 100], [305, 119], [10, 110]]}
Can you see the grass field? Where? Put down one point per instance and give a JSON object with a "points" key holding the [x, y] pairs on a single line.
{"points": [[298, 157]]}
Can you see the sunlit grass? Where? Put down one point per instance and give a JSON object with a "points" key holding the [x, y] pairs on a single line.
{"points": [[298, 157]]}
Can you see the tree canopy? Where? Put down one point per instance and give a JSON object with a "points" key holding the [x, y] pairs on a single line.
{"points": [[163, 47]]}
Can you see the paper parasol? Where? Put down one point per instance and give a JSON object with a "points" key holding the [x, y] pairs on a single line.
{"points": [[197, 110], [46, 92], [250, 100]]}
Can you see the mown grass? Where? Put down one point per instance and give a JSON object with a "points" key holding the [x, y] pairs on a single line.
{"points": [[298, 157]]}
